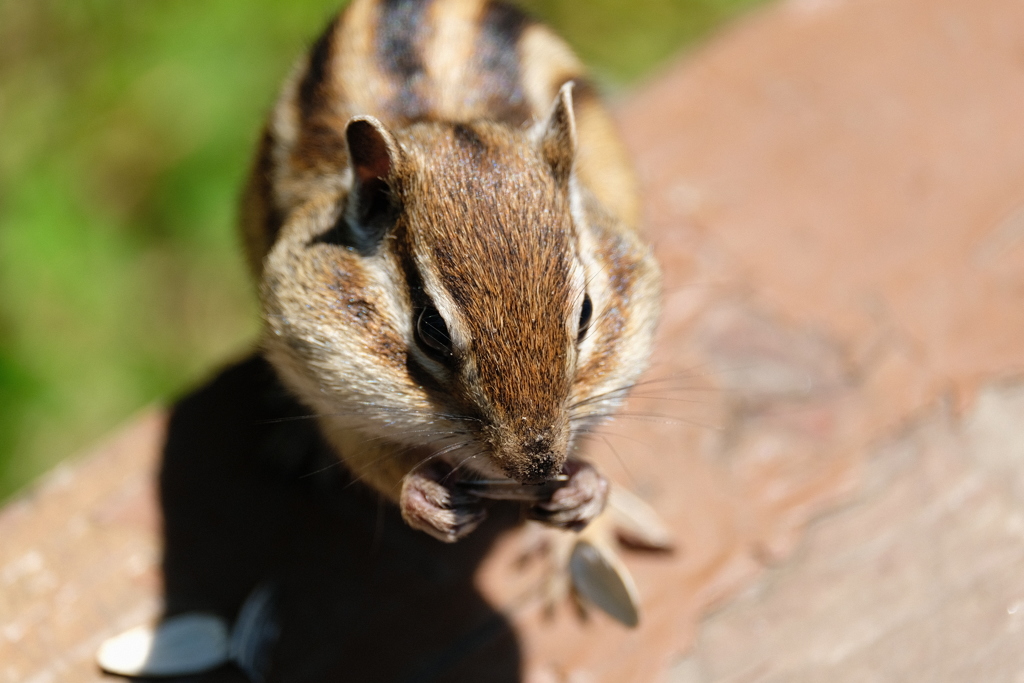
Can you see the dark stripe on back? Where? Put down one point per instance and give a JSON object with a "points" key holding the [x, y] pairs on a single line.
{"points": [[400, 26], [501, 26], [320, 143], [468, 139], [272, 218], [311, 89]]}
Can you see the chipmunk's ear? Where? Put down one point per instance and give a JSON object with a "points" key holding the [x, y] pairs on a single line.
{"points": [[557, 136], [372, 206]]}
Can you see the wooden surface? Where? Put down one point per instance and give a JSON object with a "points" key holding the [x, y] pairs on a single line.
{"points": [[836, 190]]}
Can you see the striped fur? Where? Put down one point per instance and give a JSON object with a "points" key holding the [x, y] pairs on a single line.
{"points": [[505, 200]]}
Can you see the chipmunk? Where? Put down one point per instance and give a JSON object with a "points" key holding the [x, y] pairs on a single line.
{"points": [[443, 227]]}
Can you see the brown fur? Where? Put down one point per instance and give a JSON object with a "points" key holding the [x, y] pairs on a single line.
{"points": [[473, 180]]}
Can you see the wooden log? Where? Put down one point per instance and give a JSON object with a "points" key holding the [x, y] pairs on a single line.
{"points": [[836, 192]]}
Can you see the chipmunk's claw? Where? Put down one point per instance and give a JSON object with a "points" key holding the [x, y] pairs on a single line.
{"points": [[443, 511], [578, 502]]}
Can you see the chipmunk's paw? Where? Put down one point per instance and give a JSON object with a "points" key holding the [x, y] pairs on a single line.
{"points": [[579, 501], [430, 504]]}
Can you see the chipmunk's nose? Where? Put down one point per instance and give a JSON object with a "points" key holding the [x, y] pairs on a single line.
{"points": [[539, 457], [541, 468]]}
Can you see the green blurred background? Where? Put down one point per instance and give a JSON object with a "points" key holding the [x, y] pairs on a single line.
{"points": [[126, 128]]}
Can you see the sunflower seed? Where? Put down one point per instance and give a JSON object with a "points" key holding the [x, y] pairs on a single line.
{"points": [[600, 576], [179, 645]]}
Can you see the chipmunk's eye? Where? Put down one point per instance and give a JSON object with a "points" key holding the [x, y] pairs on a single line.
{"points": [[586, 311], [432, 334]]}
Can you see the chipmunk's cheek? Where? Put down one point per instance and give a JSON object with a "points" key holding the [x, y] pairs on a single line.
{"points": [[438, 508], [574, 505]]}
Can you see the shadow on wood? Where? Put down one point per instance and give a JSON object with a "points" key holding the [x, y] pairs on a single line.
{"points": [[250, 493]]}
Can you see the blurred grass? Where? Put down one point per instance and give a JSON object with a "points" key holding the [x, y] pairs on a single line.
{"points": [[126, 128]]}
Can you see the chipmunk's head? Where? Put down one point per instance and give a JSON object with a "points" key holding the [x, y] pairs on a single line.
{"points": [[461, 294]]}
